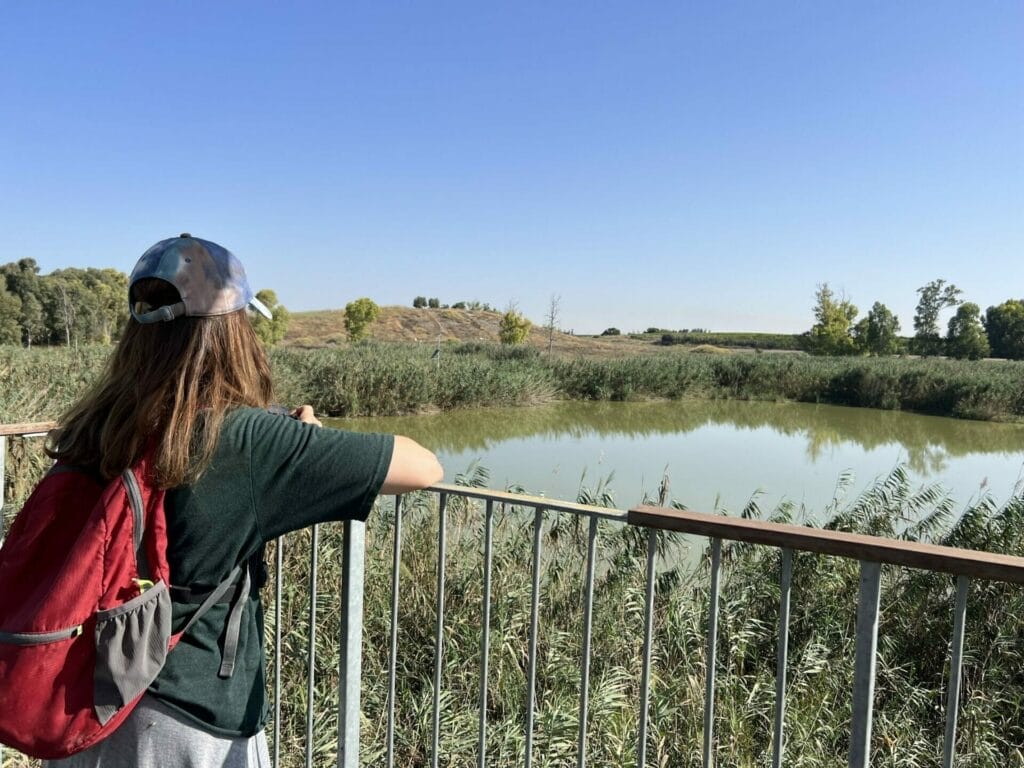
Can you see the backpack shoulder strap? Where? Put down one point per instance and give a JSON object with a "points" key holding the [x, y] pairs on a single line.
{"points": [[220, 595], [131, 485]]}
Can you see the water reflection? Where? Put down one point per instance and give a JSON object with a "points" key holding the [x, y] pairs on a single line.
{"points": [[724, 451], [929, 441]]}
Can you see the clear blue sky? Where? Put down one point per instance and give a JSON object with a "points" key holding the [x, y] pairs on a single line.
{"points": [[671, 164]]}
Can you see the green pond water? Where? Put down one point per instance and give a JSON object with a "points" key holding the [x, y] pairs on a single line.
{"points": [[716, 454]]}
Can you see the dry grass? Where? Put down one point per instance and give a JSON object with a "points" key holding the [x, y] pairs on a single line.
{"points": [[326, 328]]}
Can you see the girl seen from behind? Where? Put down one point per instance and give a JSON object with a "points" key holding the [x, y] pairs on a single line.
{"points": [[189, 386]]}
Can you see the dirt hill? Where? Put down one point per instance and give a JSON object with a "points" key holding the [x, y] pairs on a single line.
{"points": [[326, 328]]}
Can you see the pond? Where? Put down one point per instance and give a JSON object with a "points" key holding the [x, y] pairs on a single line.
{"points": [[717, 454]]}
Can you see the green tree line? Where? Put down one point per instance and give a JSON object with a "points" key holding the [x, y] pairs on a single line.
{"points": [[75, 306], [68, 306], [970, 334]]}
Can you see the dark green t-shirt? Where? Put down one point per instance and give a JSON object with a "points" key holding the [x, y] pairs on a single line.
{"points": [[271, 474]]}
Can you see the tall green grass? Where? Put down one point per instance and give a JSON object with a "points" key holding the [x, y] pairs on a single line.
{"points": [[389, 379]]}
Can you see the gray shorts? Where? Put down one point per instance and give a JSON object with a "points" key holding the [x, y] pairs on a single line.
{"points": [[153, 736]]}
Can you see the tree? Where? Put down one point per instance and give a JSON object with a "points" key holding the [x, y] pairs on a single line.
{"points": [[551, 318], [434, 303], [831, 334], [358, 315], [513, 328], [419, 302], [613, 331], [22, 280], [33, 324], [270, 331], [966, 338], [935, 296], [10, 312], [878, 332], [80, 305], [1004, 325], [65, 314]]}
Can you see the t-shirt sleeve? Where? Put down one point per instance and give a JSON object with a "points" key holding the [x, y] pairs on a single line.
{"points": [[303, 474]]}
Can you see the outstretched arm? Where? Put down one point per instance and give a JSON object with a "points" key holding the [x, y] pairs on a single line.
{"points": [[412, 467]]}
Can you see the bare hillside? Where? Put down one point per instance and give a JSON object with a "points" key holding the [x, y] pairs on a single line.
{"points": [[326, 328]]}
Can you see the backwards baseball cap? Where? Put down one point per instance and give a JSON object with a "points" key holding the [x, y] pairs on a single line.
{"points": [[208, 277]]}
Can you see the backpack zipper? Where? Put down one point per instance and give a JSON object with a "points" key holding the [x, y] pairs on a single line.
{"points": [[39, 638]]}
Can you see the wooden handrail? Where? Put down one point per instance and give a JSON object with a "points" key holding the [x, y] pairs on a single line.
{"points": [[966, 562], [31, 428]]}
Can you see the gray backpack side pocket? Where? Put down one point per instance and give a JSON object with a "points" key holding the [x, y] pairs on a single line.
{"points": [[131, 647]]}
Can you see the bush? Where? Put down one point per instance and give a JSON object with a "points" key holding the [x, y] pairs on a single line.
{"points": [[513, 328], [358, 315]]}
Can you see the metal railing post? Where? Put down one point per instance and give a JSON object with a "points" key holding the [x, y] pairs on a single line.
{"points": [[442, 538], [351, 657], [3, 484], [278, 594], [785, 587], [709, 683], [645, 675], [588, 623], [956, 663], [485, 632], [531, 683], [864, 664], [314, 559], [396, 565]]}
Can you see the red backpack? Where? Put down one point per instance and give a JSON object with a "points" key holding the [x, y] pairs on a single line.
{"points": [[85, 609]]}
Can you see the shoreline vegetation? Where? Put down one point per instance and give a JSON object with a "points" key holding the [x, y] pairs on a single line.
{"points": [[386, 379]]}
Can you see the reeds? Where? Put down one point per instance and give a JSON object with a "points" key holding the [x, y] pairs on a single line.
{"points": [[379, 379], [912, 662]]}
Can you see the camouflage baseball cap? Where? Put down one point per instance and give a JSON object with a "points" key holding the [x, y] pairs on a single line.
{"points": [[208, 277]]}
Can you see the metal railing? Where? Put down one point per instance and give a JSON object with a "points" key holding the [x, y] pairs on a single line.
{"points": [[871, 552]]}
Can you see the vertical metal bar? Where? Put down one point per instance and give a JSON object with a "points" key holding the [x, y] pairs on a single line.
{"points": [[955, 670], [645, 677], [782, 654], [3, 481], [278, 572], [311, 648], [588, 621], [485, 635], [396, 562], [709, 678], [3, 485], [351, 656], [864, 664], [442, 527], [531, 689]]}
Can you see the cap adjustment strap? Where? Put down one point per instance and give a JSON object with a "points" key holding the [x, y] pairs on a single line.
{"points": [[164, 313]]}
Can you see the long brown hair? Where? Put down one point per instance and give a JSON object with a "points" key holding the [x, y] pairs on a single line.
{"points": [[167, 385]]}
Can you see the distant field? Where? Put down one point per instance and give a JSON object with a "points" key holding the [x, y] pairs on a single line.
{"points": [[782, 341]]}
